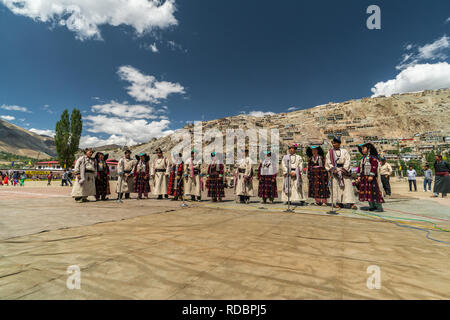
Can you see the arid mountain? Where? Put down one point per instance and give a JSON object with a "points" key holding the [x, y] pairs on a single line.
{"points": [[381, 119], [16, 140]]}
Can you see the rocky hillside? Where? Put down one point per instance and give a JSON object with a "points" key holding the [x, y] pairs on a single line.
{"points": [[16, 140], [368, 119]]}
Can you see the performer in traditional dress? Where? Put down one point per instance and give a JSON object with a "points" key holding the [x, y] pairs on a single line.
{"points": [[85, 172], [176, 177], [442, 177], [141, 174], [338, 163], [159, 172], [369, 181], [244, 179], [292, 166], [192, 178], [214, 182], [267, 177], [317, 175], [125, 182], [102, 178]]}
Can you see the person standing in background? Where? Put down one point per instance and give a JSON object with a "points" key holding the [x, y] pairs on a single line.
{"points": [[412, 174], [385, 173], [428, 178]]}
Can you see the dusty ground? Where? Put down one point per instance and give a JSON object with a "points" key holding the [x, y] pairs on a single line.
{"points": [[152, 249]]}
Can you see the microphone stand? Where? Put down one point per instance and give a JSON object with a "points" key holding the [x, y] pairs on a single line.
{"points": [[332, 211], [289, 186]]}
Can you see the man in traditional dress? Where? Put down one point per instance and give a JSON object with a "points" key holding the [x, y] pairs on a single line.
{"points": [[338, 163], [214, 182], [368, 181], [141, 175], [192, 179], [442, 177], [292, 166], [317, 175], [267, 177], [125, 181], [176, 177], [102, 177], [85, 172], [385, 173], [244, 179], [159, 172]]}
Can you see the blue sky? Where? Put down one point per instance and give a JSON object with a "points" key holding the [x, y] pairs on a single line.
{"points": [[141, 70]]}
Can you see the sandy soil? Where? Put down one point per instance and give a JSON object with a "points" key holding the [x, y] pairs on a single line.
{"points": [[153, 249]]}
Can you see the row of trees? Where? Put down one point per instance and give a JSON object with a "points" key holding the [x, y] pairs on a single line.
{"points": [[67, 137]]}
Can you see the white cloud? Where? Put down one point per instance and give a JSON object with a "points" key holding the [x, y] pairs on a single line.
{"points": [[47, 108], [435, 51], [147, 88], [448, 20], [84, 17], [415, 78], [133, 130], [44, 132], [292, 108], [8, 118], [91, 141], [14, 108], [259, 114], [125, 110]]}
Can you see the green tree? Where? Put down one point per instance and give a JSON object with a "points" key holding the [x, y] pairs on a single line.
{"points": [[67, 137]]}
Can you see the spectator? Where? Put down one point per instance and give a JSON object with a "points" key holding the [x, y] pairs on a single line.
{"points": [[412, 174], [428, 178], [69, 177], [385, 173], [49, 179]]}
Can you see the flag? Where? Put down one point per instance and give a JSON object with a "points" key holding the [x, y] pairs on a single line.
{"points": [[29, 163], [12, 164]]}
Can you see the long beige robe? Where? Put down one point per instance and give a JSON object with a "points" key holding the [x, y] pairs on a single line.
{"points": [[192, 185], [85, 186], [160, 178], [343, 195], [125, 183], [296, 190], [244, 187]]}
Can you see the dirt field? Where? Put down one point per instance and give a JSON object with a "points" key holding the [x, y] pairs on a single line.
{"points": [[155, 249]]}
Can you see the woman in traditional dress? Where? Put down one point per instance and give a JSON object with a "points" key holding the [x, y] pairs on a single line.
{"points": [[267, 177], [102, 178], [214, 182], [368, 180], [85, 172], [317, 175], [141, 174], [175, 187], [442, 178]]}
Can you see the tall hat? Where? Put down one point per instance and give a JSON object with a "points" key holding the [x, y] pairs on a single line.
{"points": [[372, 150], [309, 152], [142, 154], [105, 156], [337, 139]]}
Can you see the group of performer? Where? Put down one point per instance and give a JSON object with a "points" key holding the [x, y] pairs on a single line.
{"points": [[328, 177]]}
